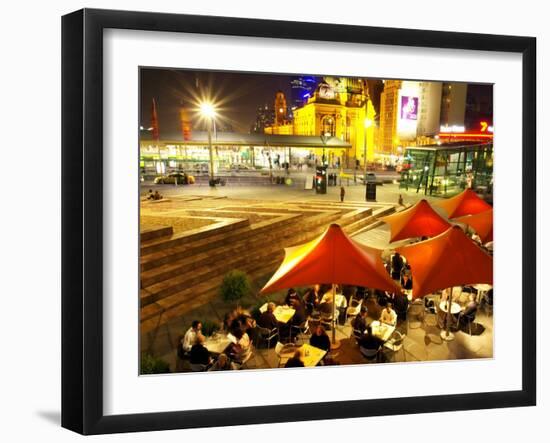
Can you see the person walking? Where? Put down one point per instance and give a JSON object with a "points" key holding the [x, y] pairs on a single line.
{"points": [[342, 193]]}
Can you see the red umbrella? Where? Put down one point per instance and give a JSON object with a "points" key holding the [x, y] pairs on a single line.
{"points": [[417, 221], [482, 223], [448, 260], [332, 258], [465, 203]]}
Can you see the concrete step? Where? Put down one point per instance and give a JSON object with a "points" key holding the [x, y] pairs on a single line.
{"points": [[155, 232]]}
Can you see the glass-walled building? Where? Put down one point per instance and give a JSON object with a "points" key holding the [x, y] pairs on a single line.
{"points": [[445, 170]]}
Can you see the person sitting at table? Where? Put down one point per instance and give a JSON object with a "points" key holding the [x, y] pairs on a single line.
{"points": [[406, 281], [299, 316], [228, 320], [291, 295], [469, 311], [267, 319], [199, 355], [320, 339], [401, 303], [369, 340], [388, 315], [312, 299], [295, 361], [190, 337], [222, 364], [359, 323], [240, 349]]}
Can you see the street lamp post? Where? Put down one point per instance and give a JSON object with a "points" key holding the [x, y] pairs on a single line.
{"points": [[207, 110], [368, 124]]}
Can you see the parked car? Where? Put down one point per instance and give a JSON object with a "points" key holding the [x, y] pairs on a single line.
{"points": [[170, 179]]}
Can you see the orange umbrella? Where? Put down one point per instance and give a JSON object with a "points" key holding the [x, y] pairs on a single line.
{"points": [[465, 203], [482, 223], [332, 258], [417, 221], [450, 259]]}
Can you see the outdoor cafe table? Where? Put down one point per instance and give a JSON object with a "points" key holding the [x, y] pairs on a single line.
{"points": [[455, 307], [382, 330], [311, 356], [282, 313], [217, 343]]}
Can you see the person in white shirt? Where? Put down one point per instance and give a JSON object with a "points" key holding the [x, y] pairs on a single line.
{"points": [[388, 315], [190, 337]]}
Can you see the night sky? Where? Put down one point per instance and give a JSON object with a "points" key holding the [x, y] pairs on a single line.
{"points": [[237, 95]]}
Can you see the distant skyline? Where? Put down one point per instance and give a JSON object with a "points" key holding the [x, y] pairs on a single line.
{"points": [[238, 94]]}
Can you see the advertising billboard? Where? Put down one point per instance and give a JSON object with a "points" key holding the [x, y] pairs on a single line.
{"points": [[409, 108]]}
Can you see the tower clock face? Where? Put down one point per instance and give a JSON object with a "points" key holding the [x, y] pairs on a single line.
{"points": [[325, 91]]}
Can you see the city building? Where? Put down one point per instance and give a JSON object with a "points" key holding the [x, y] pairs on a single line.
{"points": [[339, 107], [453, 104]]}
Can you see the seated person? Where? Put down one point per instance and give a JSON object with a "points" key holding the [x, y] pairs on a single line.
{"points": [[373, 308], [382, 297], [228, 320], [469, 311], [291, 295], [295, 361], [157, 196], [369, 341], [320, 339], [150, 195], [190, 337], [401, 303], [312, 299], [199, 355], [240, 349], [222, 364], [489, 297], [359, 323], [267, 319], [388, 315], [299, 316]]}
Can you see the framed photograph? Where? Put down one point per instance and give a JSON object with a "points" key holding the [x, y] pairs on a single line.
{"points": [[269, 221]]}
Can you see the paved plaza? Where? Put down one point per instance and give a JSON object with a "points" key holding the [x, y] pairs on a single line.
{"points": [[195, 234]]}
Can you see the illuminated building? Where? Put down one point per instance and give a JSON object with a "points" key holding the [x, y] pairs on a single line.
{"points": [[453, 104], [387, 135], [338, 108], [265, 117]]}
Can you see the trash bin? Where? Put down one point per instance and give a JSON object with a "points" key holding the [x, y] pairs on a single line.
{"points": [[371, 192]]}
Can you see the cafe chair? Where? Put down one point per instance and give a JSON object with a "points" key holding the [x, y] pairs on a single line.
{"points": [[467, 320], [415, 313], [302, 329], [197, 367], [327, 320], [265, 335], [395, 344], [284, 352], [370, 354], [353, 309]]}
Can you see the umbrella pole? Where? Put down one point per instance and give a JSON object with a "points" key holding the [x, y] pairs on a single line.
{"points": [[335, 344], [447, 335]]}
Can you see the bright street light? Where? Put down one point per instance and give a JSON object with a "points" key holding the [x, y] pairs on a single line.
{"points": [[207, 110]]}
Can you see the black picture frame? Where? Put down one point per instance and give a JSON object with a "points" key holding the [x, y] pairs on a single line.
{"points": [[82, 218]]}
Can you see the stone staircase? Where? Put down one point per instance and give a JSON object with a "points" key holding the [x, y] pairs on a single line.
{"points": [[183, 271]]}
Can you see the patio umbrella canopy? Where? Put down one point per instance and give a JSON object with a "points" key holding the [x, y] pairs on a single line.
{"points": [[482, 223], [465, 203], [416, 221], [332, 258], [450, 259]]}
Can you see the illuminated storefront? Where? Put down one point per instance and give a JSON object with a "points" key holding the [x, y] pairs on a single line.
{"points": [[448, 169], [230, 150]]}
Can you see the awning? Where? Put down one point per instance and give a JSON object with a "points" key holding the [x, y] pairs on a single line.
{"points": [[465, 203], [417, 221], [482, 223], [450, 259]]}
